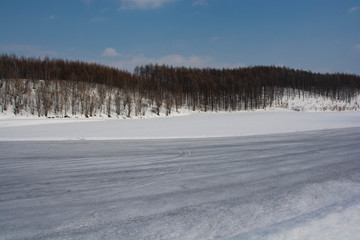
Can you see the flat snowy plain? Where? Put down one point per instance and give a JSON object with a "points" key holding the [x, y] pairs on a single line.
{"points": [[258, 175]]}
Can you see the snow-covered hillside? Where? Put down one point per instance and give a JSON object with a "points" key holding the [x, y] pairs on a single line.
{"points": [[66, 99]]}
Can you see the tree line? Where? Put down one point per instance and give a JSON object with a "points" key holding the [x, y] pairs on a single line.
{"points": [[13, 67], [66, 87]]}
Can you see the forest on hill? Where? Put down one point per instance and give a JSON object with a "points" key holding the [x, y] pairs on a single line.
{"points": [[64, 88]]}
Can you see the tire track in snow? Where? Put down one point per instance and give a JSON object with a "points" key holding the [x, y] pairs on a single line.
{"points": [[164, 176]]}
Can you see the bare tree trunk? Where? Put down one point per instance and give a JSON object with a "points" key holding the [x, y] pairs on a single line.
{"points": [[108, 106], [118, 103]]}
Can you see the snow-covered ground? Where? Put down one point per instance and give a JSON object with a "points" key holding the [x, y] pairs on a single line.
{"points": [[196, 125], [245, 175], [301, 185]]}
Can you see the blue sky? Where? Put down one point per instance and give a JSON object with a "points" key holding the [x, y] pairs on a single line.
{"points": [[316, 35]]}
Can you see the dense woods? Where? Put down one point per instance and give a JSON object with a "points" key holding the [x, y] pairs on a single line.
{"points": [[64, 88]]}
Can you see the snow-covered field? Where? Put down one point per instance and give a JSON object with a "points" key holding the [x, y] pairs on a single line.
{"points": [[196, 125], [249, 175]]}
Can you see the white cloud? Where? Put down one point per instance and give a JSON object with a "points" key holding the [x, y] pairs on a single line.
{"points": [[200, 3], [214, 39], [176, 60], [52, 17], [143, 4], [229, 65], [110, 52], [357, 47], [179, 60], [28, 50], [353, 9]]}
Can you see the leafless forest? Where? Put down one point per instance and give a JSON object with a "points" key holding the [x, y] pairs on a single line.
{"points": [[66, 88]]}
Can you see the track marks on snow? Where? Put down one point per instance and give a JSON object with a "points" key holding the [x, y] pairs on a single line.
{"points": [[164, 170]]}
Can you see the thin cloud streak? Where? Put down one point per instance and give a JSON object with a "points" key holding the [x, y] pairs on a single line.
{"points": [[143, 4], [28, 50], [200, 3], [104, 10], [214, 39], [357, 47], [176, 60], [173, 60], [353, 9], [88, 2]]}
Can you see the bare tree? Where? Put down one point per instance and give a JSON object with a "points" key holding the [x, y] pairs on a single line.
{"points": [[168, 104], [108, 104], [118, 102], [127, 104], [18, 91], [158, 104], [65, 91], [47, 97]]}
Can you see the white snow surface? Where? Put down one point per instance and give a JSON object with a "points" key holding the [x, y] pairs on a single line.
{"points": [[193, 125], [242, 175]]}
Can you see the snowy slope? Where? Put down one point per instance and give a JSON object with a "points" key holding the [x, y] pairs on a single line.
{"points": [[25, 98]]}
